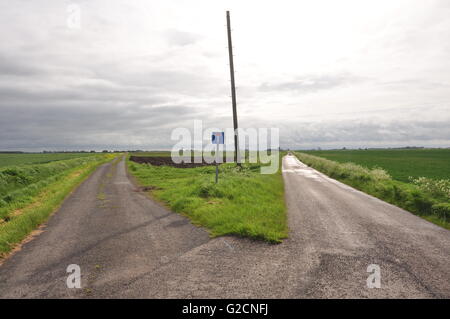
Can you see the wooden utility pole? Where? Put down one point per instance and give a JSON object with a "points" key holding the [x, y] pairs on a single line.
{"points": [[237, 155]]}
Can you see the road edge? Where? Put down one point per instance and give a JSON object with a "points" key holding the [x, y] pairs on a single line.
{"points": [[15, 247]]}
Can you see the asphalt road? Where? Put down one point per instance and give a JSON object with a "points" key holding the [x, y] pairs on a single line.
{"points": [[128, 246]]}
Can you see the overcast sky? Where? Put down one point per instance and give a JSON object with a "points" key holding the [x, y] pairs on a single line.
{"points": [[328, 73]]}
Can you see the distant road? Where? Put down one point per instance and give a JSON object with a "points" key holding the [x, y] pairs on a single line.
{"points": [[129, 246]]}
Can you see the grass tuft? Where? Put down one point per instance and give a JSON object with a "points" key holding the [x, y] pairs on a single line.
{"points": [[244, 202]]}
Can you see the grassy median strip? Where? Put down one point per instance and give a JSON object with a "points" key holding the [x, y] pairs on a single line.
{"points": [[24, 209], [427, 198], [244, 202]]}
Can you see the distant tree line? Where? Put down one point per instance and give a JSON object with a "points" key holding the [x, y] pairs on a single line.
{"points": [[11, 152], [55, 152]]}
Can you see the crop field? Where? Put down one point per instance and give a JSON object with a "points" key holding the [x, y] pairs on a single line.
{"points": [[152, 154], [166, 161], [8, 159], [29, 193], [164, 157], [399, 163]]}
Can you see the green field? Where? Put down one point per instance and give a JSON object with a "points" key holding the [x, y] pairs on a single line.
{"points": [[399, 163], [7, 159], [244, 202]]}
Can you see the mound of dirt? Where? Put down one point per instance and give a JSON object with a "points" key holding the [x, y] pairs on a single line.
{"points": [[167, 161]]}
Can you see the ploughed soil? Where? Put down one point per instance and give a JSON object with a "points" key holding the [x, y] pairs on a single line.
{"points": [[167, 161]]}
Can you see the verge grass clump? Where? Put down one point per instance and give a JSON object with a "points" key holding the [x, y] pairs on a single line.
{"points": [[244, 202], [425, 197]]}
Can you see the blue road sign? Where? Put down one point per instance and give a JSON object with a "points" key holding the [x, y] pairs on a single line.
{"points": [[218, 137]]}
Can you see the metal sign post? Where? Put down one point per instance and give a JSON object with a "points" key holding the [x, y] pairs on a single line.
{"points": [[217, 138], [217, 164]]}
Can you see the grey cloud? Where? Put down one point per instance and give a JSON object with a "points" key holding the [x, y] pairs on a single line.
{"points": [[417, 84], [155, 78], [308, 84], [181, 38], [95, 105], [364, 132], [9, 65], [65, 89], [84, 126]]}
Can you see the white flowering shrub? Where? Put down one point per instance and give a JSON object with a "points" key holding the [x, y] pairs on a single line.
{"points": [[347, 170], [436, 187]]}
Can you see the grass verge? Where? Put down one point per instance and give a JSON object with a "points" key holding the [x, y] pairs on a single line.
{"points": [[26, 217], [401, 164], [244, 202], [377, 182]]}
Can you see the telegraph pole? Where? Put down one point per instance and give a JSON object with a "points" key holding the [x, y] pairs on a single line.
{"points": [[237, 155]]}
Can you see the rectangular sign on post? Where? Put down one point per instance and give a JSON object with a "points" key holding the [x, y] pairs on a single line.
{"points": [[217, 138]]}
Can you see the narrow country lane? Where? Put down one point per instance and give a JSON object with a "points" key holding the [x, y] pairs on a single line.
{"points": [[128, 246]]}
